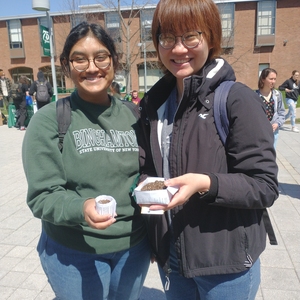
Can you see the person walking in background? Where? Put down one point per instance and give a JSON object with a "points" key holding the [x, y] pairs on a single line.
{"points": [[272, 99], [5, 91], [292, 90], [135, 99], [209, 240], [86, 255], [115, 90], [20, 102], [42, 90]]}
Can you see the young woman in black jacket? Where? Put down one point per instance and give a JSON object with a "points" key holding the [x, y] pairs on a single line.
{"points": [[20, 103], [208, 241], [292, 91]]}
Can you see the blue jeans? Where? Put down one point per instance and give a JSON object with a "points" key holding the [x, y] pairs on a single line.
{"points": [[81, 276], [292, 110], [237, 286]]}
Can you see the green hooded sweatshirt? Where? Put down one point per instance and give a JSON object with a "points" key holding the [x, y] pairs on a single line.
{"points": [[100, 157]]}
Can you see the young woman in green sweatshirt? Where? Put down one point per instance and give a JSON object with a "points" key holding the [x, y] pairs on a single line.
{"points": [[86, 255]]}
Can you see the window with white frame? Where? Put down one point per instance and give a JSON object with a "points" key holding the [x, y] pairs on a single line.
{"points": [[266, 12], [15, 34], [262, 67], [227, 18], [112, 22], [266, 17], [146, 24]]}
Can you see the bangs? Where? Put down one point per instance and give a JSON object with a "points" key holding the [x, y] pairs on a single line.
{"points": [[178, 18]]}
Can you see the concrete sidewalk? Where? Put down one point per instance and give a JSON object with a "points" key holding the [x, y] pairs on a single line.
{"points": [[21, 276]]}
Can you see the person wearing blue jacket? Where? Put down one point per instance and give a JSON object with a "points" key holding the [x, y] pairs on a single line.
{"points": [[272, 99]]}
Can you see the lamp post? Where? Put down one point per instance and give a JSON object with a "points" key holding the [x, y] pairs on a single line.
{"points": [[44, 5], [145, 65]]}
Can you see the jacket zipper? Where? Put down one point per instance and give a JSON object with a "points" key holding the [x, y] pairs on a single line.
{"points": [[249, 261]]}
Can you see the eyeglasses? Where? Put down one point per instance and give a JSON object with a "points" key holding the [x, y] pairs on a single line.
{"points": [[81, 64], [190, 39]]}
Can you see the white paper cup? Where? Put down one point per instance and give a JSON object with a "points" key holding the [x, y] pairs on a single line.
{"points": [[106, 205]]}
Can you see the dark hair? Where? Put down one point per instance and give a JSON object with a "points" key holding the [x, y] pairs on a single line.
{"points": [[23, 79], [263, 75], [182, 15], [116, 87], [80, 31], [293, 73], [40, 76]]}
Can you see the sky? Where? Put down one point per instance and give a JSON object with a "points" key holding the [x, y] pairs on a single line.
{"points": [[24, 7]]}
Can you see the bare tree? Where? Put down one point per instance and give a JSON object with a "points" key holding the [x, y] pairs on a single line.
{"points": [[130, 34], [125, 29]]}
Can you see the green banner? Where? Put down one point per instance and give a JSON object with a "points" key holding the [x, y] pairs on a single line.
{"points": [[45, 37]]}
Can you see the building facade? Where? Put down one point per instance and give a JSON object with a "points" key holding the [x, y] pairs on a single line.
{"points": [[256, 34]]}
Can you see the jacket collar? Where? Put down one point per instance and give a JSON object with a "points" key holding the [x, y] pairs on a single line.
{"points": [[196, 87]]}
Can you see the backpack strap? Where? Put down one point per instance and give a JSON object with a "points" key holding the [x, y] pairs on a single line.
{"points": [[220, 110], [269, 227], [63, 117], [222, 125], [133, 107]]}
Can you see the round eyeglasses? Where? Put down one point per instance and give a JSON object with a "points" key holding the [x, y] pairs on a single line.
{"points": [[81, 64], [190, 39]]}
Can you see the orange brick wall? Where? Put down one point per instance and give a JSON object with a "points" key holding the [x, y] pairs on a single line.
{"points": [[245, 57]]}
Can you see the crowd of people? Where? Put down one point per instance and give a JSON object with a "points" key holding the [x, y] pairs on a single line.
{"points": [[20, 95], [208, 240]]}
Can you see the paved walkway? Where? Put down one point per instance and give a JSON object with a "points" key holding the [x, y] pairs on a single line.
{"points": [[21, 276]]}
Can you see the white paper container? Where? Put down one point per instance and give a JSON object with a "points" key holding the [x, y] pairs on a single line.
{"points": [[145, 210], [106, 208], [154, 197]]}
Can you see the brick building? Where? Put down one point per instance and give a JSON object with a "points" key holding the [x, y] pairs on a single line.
{"points": [[256, 34]]}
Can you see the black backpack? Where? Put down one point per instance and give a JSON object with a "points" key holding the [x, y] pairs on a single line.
{"points": [[222, 125]]}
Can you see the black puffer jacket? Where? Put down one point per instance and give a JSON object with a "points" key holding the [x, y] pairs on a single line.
{"points": [[221, 232]]}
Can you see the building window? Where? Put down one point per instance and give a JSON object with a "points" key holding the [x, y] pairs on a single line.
{"points": [[77, 19], [146, 24], [43, 21], [265, 32], [15, 34], [112, 22], [227, 20], [261, 67]]}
